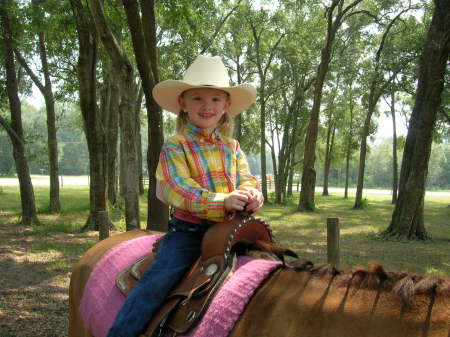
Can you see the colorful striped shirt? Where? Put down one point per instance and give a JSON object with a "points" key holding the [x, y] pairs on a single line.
{"points": [[197, 171]]}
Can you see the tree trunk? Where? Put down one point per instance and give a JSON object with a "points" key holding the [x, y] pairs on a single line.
{"points": [[237, 132], [347, 170], [362, 156], [128, 139], [55, 205], [348, 150], [329, 151], [110, 110], [143, 34], [93, 122], [290, 183], [284, 155], [137, 113], [262, 139], [407, 219], [15, 130], [394, 151]]}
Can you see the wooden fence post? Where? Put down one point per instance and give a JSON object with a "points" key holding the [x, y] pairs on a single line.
{"points": [[333, 241]]}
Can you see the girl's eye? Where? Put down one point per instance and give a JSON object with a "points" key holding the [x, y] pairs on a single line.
{"points": [[197, 98], [217, 99]]}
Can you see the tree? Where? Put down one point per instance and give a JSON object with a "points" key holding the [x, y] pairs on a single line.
{"points": [[394, 149], [332, 113], [109, 107], [143, 35], [47, 91], [123, 72], [234, 51], [336, 15], [377, 86], [15, 128], [407, 219], [93, 121], [266, 42]]}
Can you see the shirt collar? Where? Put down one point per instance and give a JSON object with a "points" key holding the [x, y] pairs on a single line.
{"points": [[198, 132]]}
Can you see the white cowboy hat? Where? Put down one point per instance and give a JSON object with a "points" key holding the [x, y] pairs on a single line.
{"points": [[204, 72]]}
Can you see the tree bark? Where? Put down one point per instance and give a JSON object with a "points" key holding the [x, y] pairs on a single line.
{"points": [[394, 151], [52, 141], [363, 149], [347, 170], [15, 131], [348, 150], [93, 122], [329, 151], [348, 153], [137, 113], [407, 219], [143, 35], [110, 99]]}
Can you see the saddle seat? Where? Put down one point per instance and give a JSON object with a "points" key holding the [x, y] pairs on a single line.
{"points": [[188, 301]]}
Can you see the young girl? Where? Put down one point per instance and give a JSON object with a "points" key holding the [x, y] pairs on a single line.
{"points": [[202, 173]]}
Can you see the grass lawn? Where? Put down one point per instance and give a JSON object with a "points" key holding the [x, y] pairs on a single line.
{"points": [[305, 233]]}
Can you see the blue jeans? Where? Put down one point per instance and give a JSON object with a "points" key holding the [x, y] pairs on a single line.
{"points": [[177, 252]]}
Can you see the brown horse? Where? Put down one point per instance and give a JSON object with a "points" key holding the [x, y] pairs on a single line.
{"points": [[305, 300]]}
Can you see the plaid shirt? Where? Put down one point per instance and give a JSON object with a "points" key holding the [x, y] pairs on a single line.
{"points": [[196, 172]]}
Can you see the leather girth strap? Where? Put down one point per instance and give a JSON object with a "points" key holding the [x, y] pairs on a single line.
{"points": [[188, 301]]}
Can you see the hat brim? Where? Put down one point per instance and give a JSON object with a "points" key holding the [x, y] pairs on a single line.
{"points": [[166, 94]]}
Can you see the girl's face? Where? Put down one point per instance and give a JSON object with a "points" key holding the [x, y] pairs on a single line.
{"points": [[204, 106]]}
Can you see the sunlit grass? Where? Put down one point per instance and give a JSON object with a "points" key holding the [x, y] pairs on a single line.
{"points": [[74, 213], [304, 232], [59, 247]]}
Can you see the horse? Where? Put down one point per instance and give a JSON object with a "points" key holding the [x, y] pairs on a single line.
{"points": [[304, 300]]}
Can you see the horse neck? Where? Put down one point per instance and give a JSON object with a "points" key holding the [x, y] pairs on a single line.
{"points": [[291, 302]]}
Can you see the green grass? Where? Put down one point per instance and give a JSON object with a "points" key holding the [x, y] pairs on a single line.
{"points": [[304, 232], [75, 210]]}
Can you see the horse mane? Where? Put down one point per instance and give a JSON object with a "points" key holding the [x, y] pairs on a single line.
{"points": [[374, 277]]}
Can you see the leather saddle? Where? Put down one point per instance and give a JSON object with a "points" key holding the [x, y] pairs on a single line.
{"points": [[188, 301]]}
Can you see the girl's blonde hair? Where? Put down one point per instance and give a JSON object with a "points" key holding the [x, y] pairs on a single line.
{"points": [[225, 125]]}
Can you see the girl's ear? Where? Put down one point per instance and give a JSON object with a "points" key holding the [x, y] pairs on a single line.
{"points": [[181, 102]]}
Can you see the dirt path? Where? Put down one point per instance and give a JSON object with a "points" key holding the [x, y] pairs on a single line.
{"points": [[34, 281]]}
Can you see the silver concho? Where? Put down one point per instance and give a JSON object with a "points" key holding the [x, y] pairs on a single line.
{"points": [[211, 269]]}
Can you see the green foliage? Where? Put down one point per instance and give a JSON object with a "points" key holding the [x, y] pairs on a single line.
{"points": [[187, 28]]}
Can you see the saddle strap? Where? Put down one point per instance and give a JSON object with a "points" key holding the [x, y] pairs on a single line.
{"points": [[129, 277]]}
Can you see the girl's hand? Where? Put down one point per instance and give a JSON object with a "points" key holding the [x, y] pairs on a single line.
{"points": [[256, 200], [237, 200]]}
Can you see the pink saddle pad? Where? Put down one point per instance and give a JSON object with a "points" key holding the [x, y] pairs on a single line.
{"points": [[102, 300]]}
